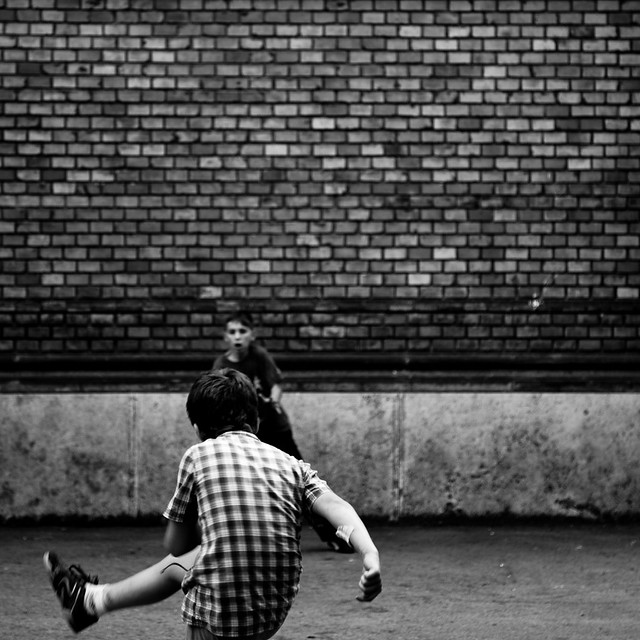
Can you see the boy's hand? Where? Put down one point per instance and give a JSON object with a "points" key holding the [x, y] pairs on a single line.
{"points": [[370, 580]]}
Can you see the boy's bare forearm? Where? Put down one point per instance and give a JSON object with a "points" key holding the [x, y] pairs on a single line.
{"points": [[344, 517]]}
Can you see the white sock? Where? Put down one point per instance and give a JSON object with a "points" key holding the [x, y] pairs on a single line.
{"points": [[94, 600]]}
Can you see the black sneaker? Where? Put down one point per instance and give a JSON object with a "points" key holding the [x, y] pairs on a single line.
{"points": [[69, 585]]}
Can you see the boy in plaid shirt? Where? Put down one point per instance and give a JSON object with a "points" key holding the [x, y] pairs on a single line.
{"points": [[235, 518]]}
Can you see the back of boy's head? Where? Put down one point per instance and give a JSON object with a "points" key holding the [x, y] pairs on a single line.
{"points": [[223, 400]]}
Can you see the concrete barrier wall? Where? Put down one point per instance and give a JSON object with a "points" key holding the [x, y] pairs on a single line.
{"points": [[393, 455]]}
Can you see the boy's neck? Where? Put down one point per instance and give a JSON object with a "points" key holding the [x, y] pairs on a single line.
{"points": [[243, 429], [232, 356], [237, 356]]}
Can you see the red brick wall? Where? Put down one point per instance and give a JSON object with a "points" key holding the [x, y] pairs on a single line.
{"points": [[366, 176]]}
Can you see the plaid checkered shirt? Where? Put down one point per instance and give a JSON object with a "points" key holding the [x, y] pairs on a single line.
{"points": [[250, 501]]}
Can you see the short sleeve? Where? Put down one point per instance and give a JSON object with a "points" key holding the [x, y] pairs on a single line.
{"points": [[314, 486], [184, 493]]}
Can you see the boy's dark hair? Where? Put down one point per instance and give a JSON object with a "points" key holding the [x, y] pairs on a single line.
{"points": [[242, 317], [222, 400]]}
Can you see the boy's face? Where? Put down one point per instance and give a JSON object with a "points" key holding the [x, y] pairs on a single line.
{"points": [[238, 336]]}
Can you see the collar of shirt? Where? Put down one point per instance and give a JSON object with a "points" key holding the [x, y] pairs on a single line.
{"points": [[238, 432]]}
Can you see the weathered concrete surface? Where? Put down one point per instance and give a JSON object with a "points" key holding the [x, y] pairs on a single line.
{"points": [[392, 455], [525, 454], [65, 454]]}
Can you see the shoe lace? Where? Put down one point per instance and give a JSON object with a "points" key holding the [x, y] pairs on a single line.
{"points": [[80, 574]]}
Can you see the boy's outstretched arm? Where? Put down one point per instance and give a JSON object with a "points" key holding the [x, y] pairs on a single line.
{"points": [[344, 517]]}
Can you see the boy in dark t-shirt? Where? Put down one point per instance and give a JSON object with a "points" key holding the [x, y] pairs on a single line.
{"points": [[256, 363]]}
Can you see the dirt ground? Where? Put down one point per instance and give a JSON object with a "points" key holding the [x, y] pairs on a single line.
{"points": [[542, 582]]}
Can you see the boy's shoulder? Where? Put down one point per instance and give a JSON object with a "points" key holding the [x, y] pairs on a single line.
{"points": [[259, 350], [258, 353]]}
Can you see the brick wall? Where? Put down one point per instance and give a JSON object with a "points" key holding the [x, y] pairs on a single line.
{"points": [[366, 176]]}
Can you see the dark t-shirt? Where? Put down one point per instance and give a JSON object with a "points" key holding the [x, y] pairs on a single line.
{"points": [[258, 365], [262, 370]]}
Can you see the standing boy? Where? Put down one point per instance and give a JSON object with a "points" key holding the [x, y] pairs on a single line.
{"points": [[257, 364], [242, 501]]}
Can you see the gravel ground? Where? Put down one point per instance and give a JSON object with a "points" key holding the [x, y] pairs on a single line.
{"points": [[551, 581]]}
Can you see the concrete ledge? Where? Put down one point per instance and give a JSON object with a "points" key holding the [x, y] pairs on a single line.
{"points": [[394, 455]]}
